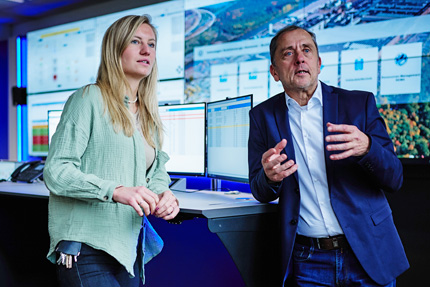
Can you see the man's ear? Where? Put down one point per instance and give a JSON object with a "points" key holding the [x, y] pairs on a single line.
{"points": [[274, 73]]}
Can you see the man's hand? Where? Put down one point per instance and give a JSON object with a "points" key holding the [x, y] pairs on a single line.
{"points": [[272, 163], [350, 140]]}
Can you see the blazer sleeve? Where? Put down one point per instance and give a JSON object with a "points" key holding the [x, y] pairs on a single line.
{"points": [[381, 162], [257, 145]]}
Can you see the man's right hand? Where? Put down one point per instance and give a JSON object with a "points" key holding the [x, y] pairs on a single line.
{"points": [[272, 163]]}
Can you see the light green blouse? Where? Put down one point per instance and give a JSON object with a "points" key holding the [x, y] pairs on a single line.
{"points": [[86, 162]]}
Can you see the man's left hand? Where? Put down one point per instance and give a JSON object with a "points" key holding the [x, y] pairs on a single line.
{"points": [[349, 140]]}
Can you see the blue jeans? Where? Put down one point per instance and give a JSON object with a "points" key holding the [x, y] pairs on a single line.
{"points": [[338, 267], [96, 268]]}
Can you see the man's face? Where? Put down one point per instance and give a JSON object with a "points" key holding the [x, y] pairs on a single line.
{"points": [[297, 63]]}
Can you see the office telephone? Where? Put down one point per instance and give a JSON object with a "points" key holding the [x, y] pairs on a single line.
{"points": [[28, 171]]}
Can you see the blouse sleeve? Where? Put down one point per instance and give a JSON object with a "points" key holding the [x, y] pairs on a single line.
{"points": [[159, 180], [62, 172]]}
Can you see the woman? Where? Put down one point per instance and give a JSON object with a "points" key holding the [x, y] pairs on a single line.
{"points": [[105, 170]]}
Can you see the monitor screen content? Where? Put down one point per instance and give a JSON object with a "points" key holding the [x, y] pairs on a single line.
{"points": [[185, 137], [228, 131], [170, 92], [361, 45], [53, 120], [37, 119], [379, 46], [65, 57]]}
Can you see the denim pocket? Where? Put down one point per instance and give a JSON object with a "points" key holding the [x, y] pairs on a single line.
{"points": [[301, 252]]}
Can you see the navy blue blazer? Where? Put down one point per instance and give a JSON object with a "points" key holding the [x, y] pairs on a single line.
{"points": [[356, 184]]}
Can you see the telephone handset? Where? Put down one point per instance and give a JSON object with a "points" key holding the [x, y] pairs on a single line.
{"points": [[28, 171]]}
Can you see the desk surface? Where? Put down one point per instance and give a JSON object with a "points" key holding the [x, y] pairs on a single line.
{"points": [[210, 204], [213, 204], [24, 189]]}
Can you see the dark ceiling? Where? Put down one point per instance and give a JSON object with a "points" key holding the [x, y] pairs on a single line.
{"points": [[13, 12]]}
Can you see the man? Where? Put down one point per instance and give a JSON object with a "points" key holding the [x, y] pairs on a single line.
{"points": [[325, 153]]}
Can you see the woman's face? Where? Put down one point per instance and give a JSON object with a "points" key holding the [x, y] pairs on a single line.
{"points": [[139, 56]]}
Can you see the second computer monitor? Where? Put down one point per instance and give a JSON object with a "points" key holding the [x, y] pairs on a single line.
{"points": [[227, 142], [185, 137], [54, 117]]}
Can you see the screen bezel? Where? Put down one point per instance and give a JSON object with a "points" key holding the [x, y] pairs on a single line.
{"points": [[215, 175], [200, 174]]}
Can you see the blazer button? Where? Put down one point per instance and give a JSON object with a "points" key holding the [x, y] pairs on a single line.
{"points": [[293, 222], [297, 190], [147, 179]]}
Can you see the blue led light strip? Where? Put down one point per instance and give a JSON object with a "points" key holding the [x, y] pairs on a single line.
{"points": [[21, 110], [18, 62], [18, 107], [18, 133], [23, 61]]}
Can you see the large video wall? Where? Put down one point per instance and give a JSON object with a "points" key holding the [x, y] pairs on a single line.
{"points": [[380, 46], [64, 58], [210, 50]]}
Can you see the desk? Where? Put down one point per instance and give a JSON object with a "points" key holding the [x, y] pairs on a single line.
{"points": [[37, 190], [248, 229], [24, 239], [216, 204]]}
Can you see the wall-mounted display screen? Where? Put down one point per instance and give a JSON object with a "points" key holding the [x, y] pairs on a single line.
{"points": [[379, 46], [170, 92], [210, 49], [185, 138], [66, 57], [227, 144]]}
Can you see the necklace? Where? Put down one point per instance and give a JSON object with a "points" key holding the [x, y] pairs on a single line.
{"points": [[132, 102]]}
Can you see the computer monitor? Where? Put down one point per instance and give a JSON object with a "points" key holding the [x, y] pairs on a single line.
{"points": [[38, 106], [228, 131], [185, 138], [53, 120]]}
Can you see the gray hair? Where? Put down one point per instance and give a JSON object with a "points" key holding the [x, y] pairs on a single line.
{"points": [[274, 41]]}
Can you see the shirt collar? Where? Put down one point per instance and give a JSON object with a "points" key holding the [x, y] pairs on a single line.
{"points": [[315, 99]]}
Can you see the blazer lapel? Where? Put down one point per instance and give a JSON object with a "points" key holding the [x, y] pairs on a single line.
{"points": [[330, 114], [282, 121]]}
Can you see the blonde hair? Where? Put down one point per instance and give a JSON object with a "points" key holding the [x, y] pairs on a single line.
{"points": [[113, 83]]}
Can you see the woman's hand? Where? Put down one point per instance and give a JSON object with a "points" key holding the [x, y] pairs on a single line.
{"points": [[168, 206], [138, 197]]}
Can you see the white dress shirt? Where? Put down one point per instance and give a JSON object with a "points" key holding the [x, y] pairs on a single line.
{"points": [[317, 218]]}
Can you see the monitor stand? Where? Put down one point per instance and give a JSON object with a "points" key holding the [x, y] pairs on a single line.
{"points": [[215, 184], [178, 183]]}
